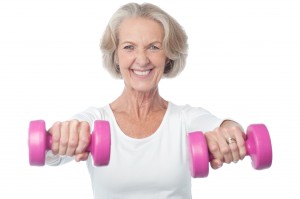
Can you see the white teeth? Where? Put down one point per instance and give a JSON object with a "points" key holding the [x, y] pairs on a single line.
{"points": [[141, 73]]}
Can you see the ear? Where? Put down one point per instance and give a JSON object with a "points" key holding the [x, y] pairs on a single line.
{"points": [[167, 61], [168, 66]]}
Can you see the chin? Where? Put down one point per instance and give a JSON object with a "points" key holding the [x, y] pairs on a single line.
{"points": [[144, 89]]}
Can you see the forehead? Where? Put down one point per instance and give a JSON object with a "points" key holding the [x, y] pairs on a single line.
{"points": [[139, 27]]}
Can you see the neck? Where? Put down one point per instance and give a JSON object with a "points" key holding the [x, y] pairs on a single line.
{"points": [[139, 104]]}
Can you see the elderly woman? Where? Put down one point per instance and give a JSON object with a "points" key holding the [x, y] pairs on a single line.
{"points": [[141, 45]]}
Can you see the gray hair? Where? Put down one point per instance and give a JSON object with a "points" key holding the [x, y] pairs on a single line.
{"points": [[174, 42]]}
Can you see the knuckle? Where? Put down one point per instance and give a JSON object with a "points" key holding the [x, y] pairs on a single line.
{"points": [[234, 128], [73, 143], [213, 148], [85, 126], [57, 124], [208, 134], [65, 124], [55, 137], [85, 140], [55, 131], [225, 150], [234, 148], [219, 130], [64, 142], [241, 145], [74, 123]]}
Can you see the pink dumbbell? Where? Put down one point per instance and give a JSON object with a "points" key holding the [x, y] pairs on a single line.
{"points": [[39, 141], [258, 146]]}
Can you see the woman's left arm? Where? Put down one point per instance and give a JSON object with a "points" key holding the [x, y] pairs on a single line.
{"points": [[226, 143]]}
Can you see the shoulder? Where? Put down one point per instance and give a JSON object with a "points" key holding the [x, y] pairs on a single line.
{"points": [[93, 113], [188, 110], [195, 118]]}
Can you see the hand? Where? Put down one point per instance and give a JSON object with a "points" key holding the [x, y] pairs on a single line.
{"points": [[70, 138], [221, 149]]}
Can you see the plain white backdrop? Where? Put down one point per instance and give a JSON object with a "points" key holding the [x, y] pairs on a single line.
{"points": [[243, 63]]}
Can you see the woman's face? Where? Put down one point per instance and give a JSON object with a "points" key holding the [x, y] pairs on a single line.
{"points": [[140, 55]]}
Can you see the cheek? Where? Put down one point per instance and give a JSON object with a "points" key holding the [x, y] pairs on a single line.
{"points": [[125, 60], [158, 58], [160, 63]]}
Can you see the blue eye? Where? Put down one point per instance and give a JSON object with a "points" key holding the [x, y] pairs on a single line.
{"points": [[129, 47], [153, 47]]}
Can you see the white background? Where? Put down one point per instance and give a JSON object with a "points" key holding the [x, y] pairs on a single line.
{"points": [[242, 64]]}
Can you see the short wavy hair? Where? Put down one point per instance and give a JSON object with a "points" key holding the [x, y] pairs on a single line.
{"points": [[174, 41]]}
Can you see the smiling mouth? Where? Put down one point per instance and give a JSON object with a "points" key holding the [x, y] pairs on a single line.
{"points": [[141, 73]]}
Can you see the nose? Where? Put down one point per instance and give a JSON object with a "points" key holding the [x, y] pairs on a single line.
{"points": [[142, 58]]}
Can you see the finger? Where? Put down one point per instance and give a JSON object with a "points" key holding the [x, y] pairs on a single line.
{"points": [[216, 158], [55, 133], [224, 147], [82, 156], [84, 137], [73, 138], [234, 152], [64, 138], [213, 146], [216, 164], [240, 142]]}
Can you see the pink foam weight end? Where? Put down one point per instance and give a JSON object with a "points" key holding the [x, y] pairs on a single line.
{"points": [[100, 146], [37, 142], [198, 155], [259, 146]]}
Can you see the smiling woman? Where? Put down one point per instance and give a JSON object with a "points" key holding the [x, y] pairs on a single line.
{"points": [[173, 41], [149, 158]]}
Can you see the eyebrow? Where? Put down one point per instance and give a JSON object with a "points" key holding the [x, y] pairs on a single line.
{"points": [[131, 42]]}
